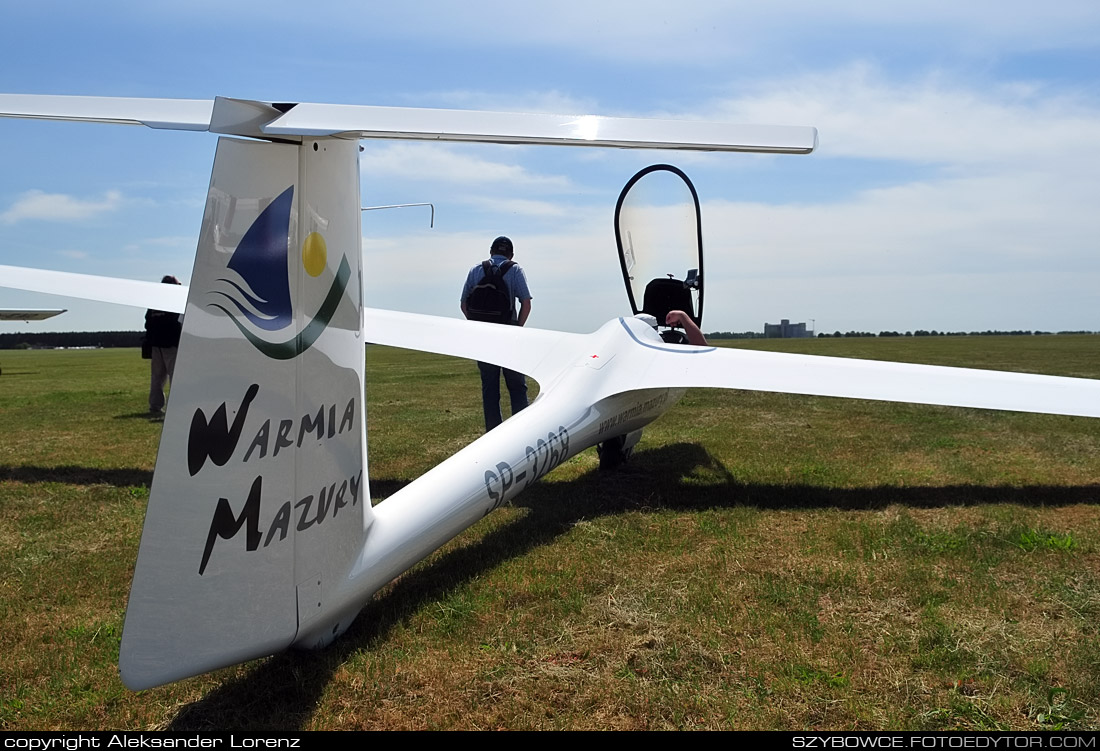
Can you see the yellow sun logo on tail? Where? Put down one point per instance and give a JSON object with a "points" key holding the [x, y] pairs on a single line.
{"points": [[314, 254]]}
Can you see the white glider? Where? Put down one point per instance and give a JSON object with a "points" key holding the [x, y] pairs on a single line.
{"points": [[260, 534]]}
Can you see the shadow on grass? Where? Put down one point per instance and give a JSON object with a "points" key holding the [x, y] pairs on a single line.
{"points": [[146, 415], [72, 475], [281, 692]]}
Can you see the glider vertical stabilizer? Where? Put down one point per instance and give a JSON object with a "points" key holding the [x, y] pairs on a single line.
{"points": [[259, 505]]}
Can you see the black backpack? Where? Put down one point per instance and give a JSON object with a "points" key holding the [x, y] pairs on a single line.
{"points": [[490, 300]]}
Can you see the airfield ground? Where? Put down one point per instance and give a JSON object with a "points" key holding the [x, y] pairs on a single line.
{"points": [[764, 562]]}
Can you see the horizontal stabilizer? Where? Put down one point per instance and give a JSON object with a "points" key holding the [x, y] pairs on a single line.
{"points": [[171, 114], [516, 128], [289, 121], [872, 379], [167, 297]]}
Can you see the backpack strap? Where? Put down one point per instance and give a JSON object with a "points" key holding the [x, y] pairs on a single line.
{"points": [[488, 270]]}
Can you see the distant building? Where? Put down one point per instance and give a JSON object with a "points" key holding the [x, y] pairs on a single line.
{"points": [[786, 330]]}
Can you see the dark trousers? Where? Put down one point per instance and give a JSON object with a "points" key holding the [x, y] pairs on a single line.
{"points": [[490, 392], [161, 365]]}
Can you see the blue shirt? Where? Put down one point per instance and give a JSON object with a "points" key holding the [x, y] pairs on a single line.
{"points": [[514, 279]]}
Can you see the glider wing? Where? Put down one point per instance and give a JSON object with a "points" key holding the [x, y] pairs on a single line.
{"points": [[538, 353], [28, 314], [169, 114], [167, 297], [869, 379]]}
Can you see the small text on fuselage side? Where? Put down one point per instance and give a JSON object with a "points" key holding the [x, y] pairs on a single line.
{"points": [[503, 482], [638, 409]]}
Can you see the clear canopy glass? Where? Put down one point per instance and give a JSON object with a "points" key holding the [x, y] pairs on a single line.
{"points": [[659, 235]]}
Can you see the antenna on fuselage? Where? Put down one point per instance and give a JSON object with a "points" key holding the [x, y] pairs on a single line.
{"points": [[403, 206]]}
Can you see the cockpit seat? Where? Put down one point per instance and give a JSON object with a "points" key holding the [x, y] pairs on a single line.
{"points": [[665, 294]]}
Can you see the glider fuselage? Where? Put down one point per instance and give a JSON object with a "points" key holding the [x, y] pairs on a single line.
{"points": [[573, 413]]}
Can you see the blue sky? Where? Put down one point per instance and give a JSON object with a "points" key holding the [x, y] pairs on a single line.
{"points": [[956, 184]]}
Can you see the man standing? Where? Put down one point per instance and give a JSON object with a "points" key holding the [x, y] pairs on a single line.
{"points": [[490, 293], [162, 334]]}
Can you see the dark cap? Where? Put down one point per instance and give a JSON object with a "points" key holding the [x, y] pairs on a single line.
{"points": [[502, 246]]}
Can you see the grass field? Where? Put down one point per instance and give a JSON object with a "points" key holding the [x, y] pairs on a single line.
{"points": [[764, 562]]}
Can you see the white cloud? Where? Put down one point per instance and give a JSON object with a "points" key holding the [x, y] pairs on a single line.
{"points": [[968, 253], [158, 246], [999, 232], [38, 205], [930, 118], [181, 242], [706, 32], [448, 164], [517, 206], [915, 229], [653, 28], [993, 223]]}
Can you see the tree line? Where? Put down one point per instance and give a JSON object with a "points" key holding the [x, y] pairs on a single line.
{"points": [[50, 340], [54, 339], [918, 332], [933, 332]]}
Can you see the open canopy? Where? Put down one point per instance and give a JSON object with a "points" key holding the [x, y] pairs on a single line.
{"points": [[660, 238]]}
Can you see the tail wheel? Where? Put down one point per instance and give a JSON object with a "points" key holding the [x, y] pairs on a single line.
{"points": [[612, 453]]}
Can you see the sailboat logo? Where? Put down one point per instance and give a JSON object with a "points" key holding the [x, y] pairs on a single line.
{"points": [[260, 299]]}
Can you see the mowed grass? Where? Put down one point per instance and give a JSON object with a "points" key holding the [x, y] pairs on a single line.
{"points": [[763, 562]]}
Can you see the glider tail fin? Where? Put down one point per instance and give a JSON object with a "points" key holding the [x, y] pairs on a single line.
{"points": [[259, 504]]}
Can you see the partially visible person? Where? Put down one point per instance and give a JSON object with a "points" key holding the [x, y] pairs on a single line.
{"points": [[162, 335], [490, 294], [680, 319]]}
